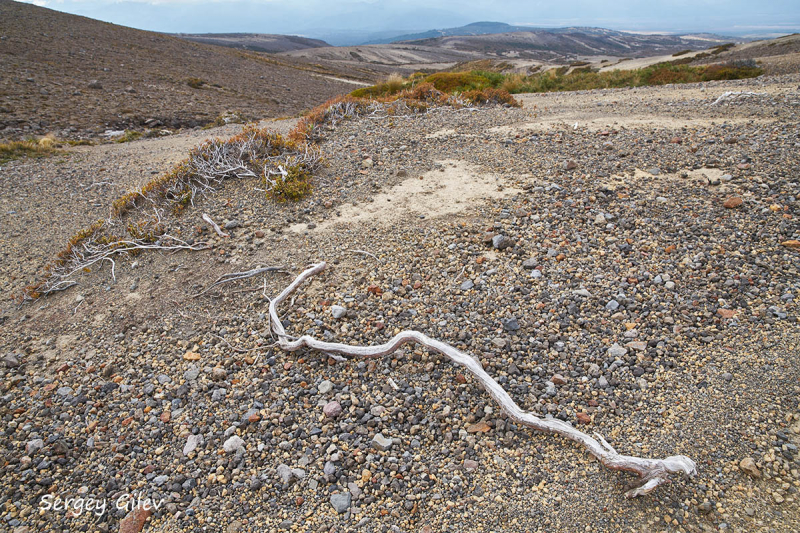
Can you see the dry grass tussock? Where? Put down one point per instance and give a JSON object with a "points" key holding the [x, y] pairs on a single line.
{"points": [[30, 148]]}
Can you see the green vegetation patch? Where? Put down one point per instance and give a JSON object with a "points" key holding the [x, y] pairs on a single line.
{"points": [[560, 79]]}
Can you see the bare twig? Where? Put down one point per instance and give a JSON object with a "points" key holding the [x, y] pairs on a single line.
{"points": [[215, 226], [234, 348], [93, 252], [365, 253], [652, 472], [236, 276]]}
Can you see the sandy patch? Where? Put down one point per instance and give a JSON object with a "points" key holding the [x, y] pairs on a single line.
{"points": [[447, 132], [345, 80], [701, 176], [435, 194], [643, 62], [616, 123]]}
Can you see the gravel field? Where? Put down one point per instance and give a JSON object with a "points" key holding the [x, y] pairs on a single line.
{"points": [[625, 260]]}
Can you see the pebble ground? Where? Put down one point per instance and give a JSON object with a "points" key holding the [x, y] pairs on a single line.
{"points": [[611, 287]]}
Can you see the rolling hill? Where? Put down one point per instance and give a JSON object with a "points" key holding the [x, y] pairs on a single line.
{"points": [[259, 42], [76, 77]]}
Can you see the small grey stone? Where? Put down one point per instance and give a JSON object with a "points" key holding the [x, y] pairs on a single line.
{"points": [[11, 360], [329, 469], [602, 382], [284, 473], [94, 84], [530, 264], [467, 285], [192, 442], [192, 373], [379, 442], [160, 480], [612, 305], [582, 292], [510, 324], [64, 391], [33, 446], [163, 379], [338, 311], [727, 376], [616, 350], [325, 387], [232, 224], [218, 395], [341, 501], [501, 242], [354, 489], [219, 374], [233, 444], [367, 163]]}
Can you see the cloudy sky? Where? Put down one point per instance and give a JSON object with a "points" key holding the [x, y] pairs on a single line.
{"points": [[317, 17]]}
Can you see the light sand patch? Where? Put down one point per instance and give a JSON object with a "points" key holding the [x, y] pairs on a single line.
{"points": [[447, 132], [345, 80], [616, 123], [642, 62], [437, 193]]}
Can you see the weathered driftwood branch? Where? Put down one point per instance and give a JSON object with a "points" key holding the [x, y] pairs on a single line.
{"points": [[652, 472]]}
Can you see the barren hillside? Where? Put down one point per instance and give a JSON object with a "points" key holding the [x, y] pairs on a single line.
{"points": [[75, 77], [259, 42]]}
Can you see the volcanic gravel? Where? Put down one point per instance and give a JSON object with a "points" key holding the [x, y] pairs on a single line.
{"points": [[606, 284]]}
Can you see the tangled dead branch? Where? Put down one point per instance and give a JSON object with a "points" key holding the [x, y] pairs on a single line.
{"points": [[652, 472], [237, 276], [98, 250]]}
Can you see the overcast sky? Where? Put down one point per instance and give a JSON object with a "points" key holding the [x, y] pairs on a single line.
{"points": [[310, 17]]}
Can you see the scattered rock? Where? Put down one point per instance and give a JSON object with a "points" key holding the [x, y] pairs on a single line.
{"points": [[325, 387], [192, 443], [233, 444], [748, 466], [332, 409], [379, 442], [617, 351], [733, 202], [341, 501], [134, 521]]}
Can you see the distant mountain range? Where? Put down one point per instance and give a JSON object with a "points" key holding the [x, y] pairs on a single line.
{"points": [[538, 43], [476, 28]]}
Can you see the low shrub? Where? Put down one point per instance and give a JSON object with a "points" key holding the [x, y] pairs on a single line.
{"points": [[195, 83], [129, 135], [29, 148]]}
